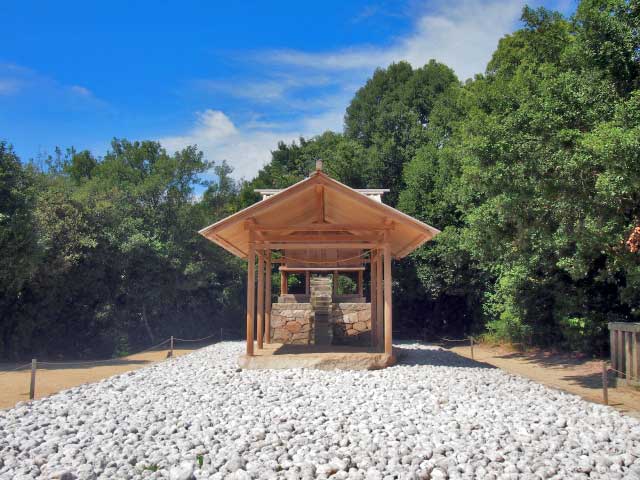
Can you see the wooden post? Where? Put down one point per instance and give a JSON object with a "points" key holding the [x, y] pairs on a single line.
{"points": [[32, 384], [170, 354], [636, 356], [335, 283], [307, 282], [379, 300], [621, 350], [388, 319], [260, 292], [373, 270], [251, 296], [605, 384], [267, 313], [471, 345], [360, 282], [283, 283], [628, 337], [613, 341]]}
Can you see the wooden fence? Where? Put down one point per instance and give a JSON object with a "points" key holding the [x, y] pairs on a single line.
{"points": [[625, 352]]}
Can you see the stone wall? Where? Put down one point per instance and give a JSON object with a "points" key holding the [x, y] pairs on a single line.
{"points": [[351, 323], [292, 323]]}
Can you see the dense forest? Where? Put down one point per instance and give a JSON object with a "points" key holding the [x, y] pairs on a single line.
{"points": [[531, 170]]}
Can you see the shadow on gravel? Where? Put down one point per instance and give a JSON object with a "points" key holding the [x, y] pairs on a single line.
{"points": [[437, 357]]}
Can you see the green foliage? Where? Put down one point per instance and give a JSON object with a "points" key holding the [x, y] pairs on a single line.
{"points": [[114, 262], [531, 171], [346, 285]]}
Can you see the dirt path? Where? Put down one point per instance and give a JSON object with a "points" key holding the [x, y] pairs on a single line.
{"points": [[575, 374], [571, 373], [14, 386]]}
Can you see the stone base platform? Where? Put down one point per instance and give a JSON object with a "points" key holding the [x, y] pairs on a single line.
{"points": [[278, 356]]}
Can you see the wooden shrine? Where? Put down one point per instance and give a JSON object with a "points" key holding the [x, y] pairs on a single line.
{"points": [[319, 230]]}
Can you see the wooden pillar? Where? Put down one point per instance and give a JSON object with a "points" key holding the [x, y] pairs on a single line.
{"points": [[260, 291], [636, 356], [283, 283], [388, 320], [621, 359], [267, 299], [373, 271], [251, 296], [379, 300], [612, 344], [628, 354], [360, 282], [335, 282], [307, 282]]}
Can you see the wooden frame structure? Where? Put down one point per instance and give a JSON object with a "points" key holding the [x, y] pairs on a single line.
{"points": [[319, 214]]}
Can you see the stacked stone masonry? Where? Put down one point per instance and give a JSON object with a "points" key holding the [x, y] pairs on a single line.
{"points": [[292, 323]]}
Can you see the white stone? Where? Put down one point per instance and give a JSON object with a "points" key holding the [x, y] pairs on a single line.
{"points": [[184, 471], [434, 415]]}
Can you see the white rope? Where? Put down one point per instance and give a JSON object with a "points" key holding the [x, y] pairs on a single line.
{"points": [[626, 375], [112, 360], [442, 339], [326, 262], [109, 360], [195, 339], [16, 369]]}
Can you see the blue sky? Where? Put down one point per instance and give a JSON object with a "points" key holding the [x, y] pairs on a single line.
{"points": [[232, 77]]}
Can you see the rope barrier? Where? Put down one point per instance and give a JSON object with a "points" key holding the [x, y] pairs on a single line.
{"points": [[16, 369], [111, 360], [108, 360], [194, 339], [626, 375], [325, 262]]}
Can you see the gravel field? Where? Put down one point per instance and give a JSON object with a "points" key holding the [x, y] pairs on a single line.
{"points": [[435, 415]]}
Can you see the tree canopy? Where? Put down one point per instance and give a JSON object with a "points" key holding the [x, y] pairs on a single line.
{"points": [[531, 170]]}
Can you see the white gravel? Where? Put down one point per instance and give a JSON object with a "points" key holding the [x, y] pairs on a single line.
{"points": [[435, 415]]}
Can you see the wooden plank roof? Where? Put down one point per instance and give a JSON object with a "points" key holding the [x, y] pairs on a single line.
{"points": [[318, 211]]}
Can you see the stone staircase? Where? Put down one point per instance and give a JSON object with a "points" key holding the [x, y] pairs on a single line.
{"points": [[321, 295]]}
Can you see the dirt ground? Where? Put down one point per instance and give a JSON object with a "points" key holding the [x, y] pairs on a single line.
{"points": [[575, 374], [14, 386], [572, 373]]}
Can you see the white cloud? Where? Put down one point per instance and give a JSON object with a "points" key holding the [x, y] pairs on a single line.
{"points": [[9, 86], [245, 148], [18, 80], [80, 91], [311, 90], [274, 88], [462, 34]]}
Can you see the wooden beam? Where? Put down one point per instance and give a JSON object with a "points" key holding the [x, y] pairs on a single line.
{"points": [[267, 313], [320, 238], [321, 269], [411, 246], [227, 246], [379, 300], [335, 282], [311, 246], [372, 299], [260, 291], [250, 297], [283, 283], [320, 206], [322, 227], [360, 282], [388, 319], [307, 282]]}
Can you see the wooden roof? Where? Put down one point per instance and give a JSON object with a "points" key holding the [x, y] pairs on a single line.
{"points": [[319, 212]]}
